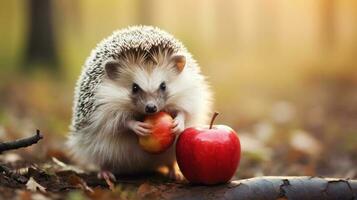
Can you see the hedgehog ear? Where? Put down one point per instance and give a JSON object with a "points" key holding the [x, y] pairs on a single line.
{"points": [[112, 69], [179, 61]]}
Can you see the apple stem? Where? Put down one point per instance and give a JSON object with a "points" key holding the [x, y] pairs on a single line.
{"points": [[213, 118]]}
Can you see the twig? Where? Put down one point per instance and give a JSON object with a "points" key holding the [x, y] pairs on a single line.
{"points": [[24, 142]]}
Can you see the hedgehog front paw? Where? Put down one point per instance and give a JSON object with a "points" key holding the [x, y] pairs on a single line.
{"points": [[140, 128], [108, 177], [179, 124]]}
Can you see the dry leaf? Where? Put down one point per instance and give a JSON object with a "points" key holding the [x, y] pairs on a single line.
{"points": [[33, 186], [22, 171], [145, 190], [305, 142], [66, 167], [78, 181], [264, 131], [11, 157], [251, 144]]}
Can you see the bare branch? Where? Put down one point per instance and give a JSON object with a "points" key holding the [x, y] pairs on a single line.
{"points": [[24, 142]]}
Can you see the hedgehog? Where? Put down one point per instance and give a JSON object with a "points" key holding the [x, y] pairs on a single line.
{"points": [[137, 71]]}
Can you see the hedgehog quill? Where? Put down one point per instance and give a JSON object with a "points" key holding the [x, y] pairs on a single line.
{"points": [[137, 71]]}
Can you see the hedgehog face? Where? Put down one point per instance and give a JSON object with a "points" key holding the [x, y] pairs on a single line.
{"points": [[149, 89], [146, 83]]}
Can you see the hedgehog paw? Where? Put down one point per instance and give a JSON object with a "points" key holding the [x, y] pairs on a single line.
{"points": [[140, 128]]}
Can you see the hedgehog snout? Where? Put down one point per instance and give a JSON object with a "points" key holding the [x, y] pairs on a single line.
{"points": [[150, 108]]}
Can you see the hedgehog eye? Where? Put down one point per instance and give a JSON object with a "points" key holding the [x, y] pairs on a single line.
{"points": [[163, 86], [135, 89]]}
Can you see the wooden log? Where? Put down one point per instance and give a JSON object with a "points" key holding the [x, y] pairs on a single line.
{"points": [[260, 188]]}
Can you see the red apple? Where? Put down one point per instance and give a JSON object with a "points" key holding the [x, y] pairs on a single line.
{"points": [[208, 155], [161, 137]]}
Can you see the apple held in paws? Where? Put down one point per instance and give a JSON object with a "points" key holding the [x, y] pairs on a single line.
{"points": [[208, 155], [161, 137]]}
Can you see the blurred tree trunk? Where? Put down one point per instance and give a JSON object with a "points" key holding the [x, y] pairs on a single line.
{"points": [[41, 47], [328, 22]]}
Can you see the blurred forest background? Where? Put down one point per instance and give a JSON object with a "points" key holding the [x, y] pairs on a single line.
{"points": [[284, 73]]}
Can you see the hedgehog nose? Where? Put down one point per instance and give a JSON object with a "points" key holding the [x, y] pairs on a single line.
{"points": [[150, 108]]}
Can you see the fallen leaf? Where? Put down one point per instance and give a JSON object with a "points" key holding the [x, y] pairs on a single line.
{"points": [[11, 157], [305, 142], [78, 181], [264, 131], [251, 144], [33, 186], [147, 191], [66, 167], [23, 170]]}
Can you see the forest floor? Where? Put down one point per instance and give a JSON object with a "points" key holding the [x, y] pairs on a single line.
{"points": [[313, 133]]}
